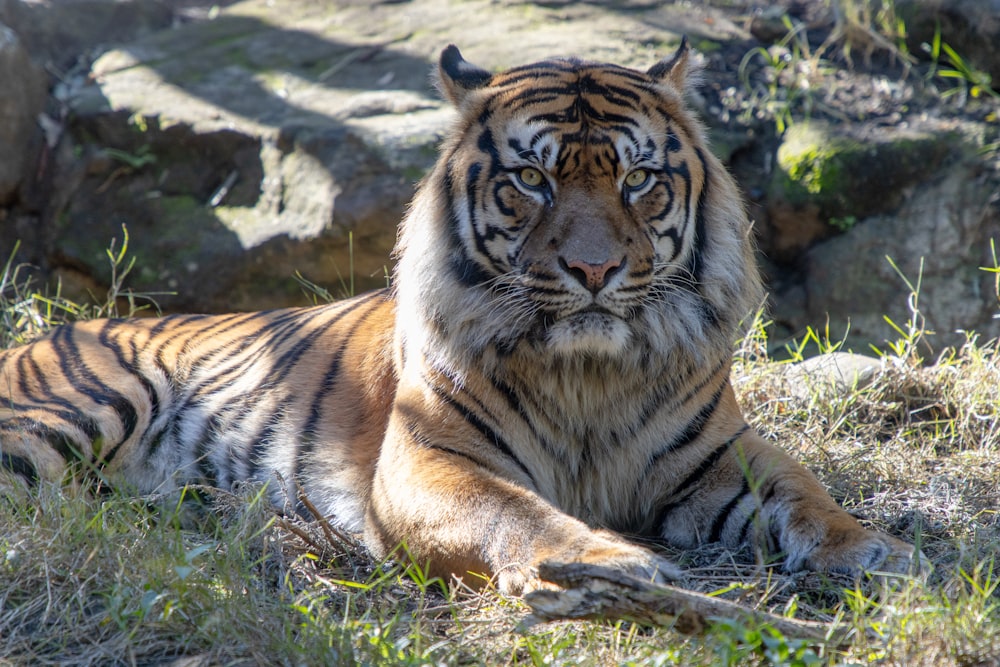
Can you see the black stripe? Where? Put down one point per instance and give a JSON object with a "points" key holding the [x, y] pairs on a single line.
{"points": [[307, 441], [19, 466], [70, 414], [562, 66], [287, 324], [176, 321], [673, 144], [532, 74], [620, 91], [273, 326], [660, 398], [723, 516], [58, 440], [488, 433], [422, 440], [519, 402], [129, 366], [683, 491], [468, 272], [471, 190], [280, 324], [201, 451], [710, 461], [747, 526], [691, 431], [709, 311], [215, 331], [283, 327], [767, 495], [84, 380]]}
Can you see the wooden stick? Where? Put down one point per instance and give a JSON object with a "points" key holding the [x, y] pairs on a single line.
{"points": [[595, 592]]}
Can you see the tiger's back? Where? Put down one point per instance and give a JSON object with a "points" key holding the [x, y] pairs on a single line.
{"points": [[211, 399]]}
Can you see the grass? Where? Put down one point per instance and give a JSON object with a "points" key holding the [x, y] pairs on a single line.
{"points": [[99, 577], [948, 65], [27, 312]]}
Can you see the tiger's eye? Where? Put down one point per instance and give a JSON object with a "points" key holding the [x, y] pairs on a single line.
{"points": [[531, 177], [637, 178]]}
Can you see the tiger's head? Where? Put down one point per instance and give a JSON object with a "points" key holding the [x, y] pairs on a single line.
{"points": [[575, 210]]}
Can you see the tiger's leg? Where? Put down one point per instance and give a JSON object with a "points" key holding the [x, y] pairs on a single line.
{"points": [[467, 509], [68, 411], [31, 452], [749, 490]]}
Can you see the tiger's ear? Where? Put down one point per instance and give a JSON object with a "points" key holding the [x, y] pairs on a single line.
{"points": [[678, 70], [457, 78]]}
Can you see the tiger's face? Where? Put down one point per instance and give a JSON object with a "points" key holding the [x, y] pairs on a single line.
{"points": [[574, 216]]}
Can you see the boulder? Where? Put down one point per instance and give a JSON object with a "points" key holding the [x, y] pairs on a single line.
{"points": [[243, 143], [940, 240], [830, 375], [62, 32], [828, 177], [23, 85]]}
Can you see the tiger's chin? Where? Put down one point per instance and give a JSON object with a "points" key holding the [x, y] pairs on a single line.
{"points": [[600, 334]]}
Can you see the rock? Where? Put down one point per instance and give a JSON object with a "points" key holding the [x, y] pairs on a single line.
{"points": [[831, 374], [938, 239], [830, 177], [22, 97], [58, 32]]}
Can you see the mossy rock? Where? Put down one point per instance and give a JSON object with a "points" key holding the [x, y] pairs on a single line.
{"points": [[845, 174]]}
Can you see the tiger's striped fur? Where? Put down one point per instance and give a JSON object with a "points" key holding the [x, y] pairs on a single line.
{"points": [[549, 372]]}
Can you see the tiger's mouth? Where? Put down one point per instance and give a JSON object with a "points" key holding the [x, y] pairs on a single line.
{"points": [[590, 330], [593, 314], [594, 309]]}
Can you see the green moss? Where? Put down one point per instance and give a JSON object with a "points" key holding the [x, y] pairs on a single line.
{"points": [[847, 178], [813, 163]]}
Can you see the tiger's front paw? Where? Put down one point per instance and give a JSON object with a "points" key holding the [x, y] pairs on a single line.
{"points": [[859, 551], [602, 549], [633, 560]]}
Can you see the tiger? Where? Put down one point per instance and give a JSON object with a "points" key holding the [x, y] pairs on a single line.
{"points": [[546, 379]]}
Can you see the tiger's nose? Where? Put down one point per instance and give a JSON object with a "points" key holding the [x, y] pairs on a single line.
{"points": [[594, 277]]}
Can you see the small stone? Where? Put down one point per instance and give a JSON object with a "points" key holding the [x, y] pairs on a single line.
{"points": [[836, 372]]}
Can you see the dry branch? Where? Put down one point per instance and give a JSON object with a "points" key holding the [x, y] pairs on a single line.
{"points": [[594, 592]]}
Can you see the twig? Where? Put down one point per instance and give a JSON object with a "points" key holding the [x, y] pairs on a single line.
{"points": [[303, 535], [595, 592], [223, 190], [333, 535]]}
